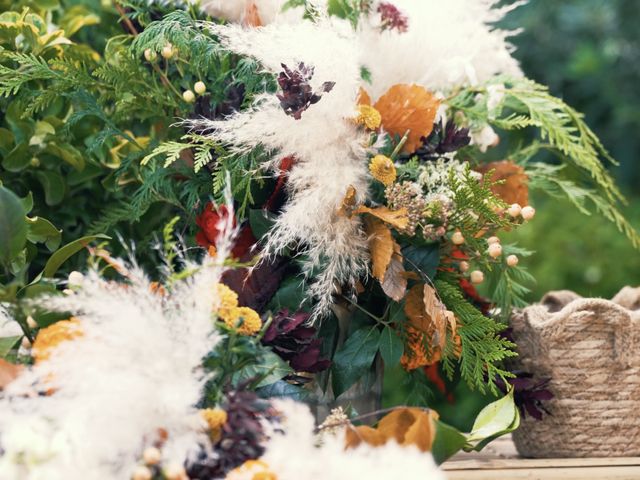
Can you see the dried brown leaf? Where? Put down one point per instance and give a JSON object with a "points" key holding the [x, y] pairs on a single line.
{"points": [[252, 16], [394, 284], [514, 186], [381, 246], [348, 202], [396, 218]]}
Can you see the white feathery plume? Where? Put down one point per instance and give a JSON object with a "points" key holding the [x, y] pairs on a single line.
{"points": [[329, 459], [270, 11], [328, 148], [447, 44], [135, 369]]}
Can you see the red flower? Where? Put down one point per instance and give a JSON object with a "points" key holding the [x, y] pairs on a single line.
{"points": [[210, 222]]}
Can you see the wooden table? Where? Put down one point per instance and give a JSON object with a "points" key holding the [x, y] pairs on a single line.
{"points": [[499, 460]]}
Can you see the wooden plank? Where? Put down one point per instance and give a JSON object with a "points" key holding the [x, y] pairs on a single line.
{"points": [[539, 463], [572, 473]]}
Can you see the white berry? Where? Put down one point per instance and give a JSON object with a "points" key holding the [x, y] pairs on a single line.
{"points": [[514, 210], [200, 88], [512, 260], [528, 213], [492, 240], [477, 277], [189, 96], [75, 279], [151, 456], [141, 473], [167, 51], [495, 250], [150, 55], [31, 322], [174, 471], [457, 238], [464, 266], [25, 342]]}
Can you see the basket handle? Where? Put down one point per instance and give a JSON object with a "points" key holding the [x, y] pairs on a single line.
{"points": [[552, 327]]}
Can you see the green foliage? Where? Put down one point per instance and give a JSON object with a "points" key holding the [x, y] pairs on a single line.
{"points": [[352, 361], [483, 348]]}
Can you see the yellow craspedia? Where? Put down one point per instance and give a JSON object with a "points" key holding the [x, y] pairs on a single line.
{"points": [[244, 320], [50, 337], [383, 169], [228, 299], [369, 117], [258, 470], [215, 418]]}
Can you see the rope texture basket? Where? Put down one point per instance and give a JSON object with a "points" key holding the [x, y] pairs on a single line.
{"points": [[590, 349]]}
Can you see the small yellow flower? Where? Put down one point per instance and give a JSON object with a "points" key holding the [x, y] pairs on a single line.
{"points": [[369, 117], [215, 418], [243, 319], [56, 333], [228, 299], [258, 470], [383, 169]]}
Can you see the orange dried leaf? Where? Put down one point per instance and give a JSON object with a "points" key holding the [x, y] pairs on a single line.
{"points": [[8, 372], [422, 432], [514, 187], [408, 108], [363, 97], [348, 202], [396, 423], [381, 246], [356, 435], [252, 16], [396, 218]]}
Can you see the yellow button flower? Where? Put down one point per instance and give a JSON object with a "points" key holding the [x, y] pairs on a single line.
{"points": [[369, 117], [50, 337], [228, 299], [243, 319], [215, 418], [383, 169]]}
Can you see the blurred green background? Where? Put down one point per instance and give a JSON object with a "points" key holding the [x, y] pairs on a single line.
{"points": [[588, 53]]}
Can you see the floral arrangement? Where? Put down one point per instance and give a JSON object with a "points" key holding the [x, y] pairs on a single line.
{"points": [[346, 167]]}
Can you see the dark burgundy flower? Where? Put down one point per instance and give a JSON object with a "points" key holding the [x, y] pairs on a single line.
{"points": [[443, 140], [210, 221], [392, 18], [297, 94], [528, 394], [295, 342]]}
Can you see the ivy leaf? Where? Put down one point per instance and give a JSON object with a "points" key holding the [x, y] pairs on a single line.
{"points": [[354, 358], [42, 230], [13, 227], [63, 254], [391, 346]]}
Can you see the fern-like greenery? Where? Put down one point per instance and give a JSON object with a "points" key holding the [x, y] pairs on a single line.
{"points": [[483, 349], [562, 130]]}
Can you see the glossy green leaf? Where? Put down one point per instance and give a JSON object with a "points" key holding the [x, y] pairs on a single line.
{"points": [[17, 159], [270, 369], [282, 389], [13, 227], [260, 221], [42, 230], [423, 259], [495, 419], [354, 358], [63, 254], [53, 185], [27, 203], [391, 346], [6, 344], [290, 295], [447, 443]]}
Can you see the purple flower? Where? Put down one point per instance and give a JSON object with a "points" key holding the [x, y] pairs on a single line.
{"points": [[297, 94], [392, 18], [443, 140], [528, 394], [296, 343]]}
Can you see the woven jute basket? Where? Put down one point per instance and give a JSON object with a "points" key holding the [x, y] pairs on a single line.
{"points": [[590, 349]]}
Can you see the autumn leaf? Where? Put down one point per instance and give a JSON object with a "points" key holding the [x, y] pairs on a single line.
{"points": [[252, 16], [363, 97], [381, 246], [407, 426], [8, 372], [394, 283], [514, 181], [408, 108], [396, 218], [348, 202]]}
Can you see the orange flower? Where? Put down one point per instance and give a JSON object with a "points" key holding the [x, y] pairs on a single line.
{"points": [[52, 336], [406, 108]]}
